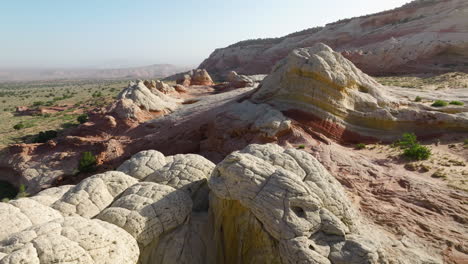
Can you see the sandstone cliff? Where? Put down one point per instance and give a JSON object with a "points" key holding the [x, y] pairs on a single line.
{"points": [[420, 37]]}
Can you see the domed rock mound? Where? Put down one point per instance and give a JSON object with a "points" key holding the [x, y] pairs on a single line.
{"points": [[138, 102], [321, 88]]}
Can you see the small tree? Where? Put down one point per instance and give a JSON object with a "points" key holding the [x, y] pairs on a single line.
{"points": [[87, 162], [82, 118]]}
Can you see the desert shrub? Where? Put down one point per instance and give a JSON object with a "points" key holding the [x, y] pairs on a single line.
{"points": [[45, 136], [87, 162], [38, 103], [465, 142], [301, 147], [417, 152], [456, 103], [19, 126], [82, 118], [412, 149], [439, 103], [360, 146], [418, 99]]}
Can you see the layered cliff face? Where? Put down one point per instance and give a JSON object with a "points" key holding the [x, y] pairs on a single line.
{"points": [[322, 88], [267, 205], [420, 37]]}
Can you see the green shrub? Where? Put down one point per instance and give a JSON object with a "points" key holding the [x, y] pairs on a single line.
{"points": [[418, 99], [465, 142], [407, 140], [439, 103], [456, 103], [417, 152], [360, 146], [19, 126], [87, 162], [43, 137], [38, 103], [82, 118], [301, 147]]}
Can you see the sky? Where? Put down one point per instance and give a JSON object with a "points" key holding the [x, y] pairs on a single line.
{"points": [[128, 33]]}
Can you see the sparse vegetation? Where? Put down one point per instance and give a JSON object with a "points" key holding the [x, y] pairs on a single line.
{"points": [[74, 95], [87, 162], [360, 146], [457, 103], [439, 103], [418, 99]]}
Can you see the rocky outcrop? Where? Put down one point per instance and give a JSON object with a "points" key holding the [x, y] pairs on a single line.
{"points": [[420, 37], [193, 77], [319, 87], [139, 102], [164, 87], [295, 209]]}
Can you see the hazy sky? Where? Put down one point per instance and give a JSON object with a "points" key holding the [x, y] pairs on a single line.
{"points": [[119, 33]]}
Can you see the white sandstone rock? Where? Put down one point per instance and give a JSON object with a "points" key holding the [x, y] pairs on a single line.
{"points": [[92, 195]]}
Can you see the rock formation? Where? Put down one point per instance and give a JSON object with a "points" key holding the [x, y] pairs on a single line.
{"points": [[287, 208], [419, 37], [238, 81], [193, 77], [319, 86], [137, 101]]}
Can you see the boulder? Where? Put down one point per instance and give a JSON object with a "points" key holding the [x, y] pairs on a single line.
{"points": [[201, 77], [320, 88], [163, 87], [180, 88], [239, 81]]}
